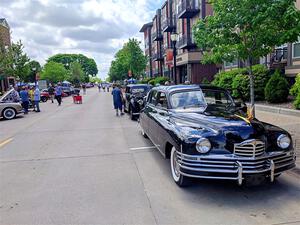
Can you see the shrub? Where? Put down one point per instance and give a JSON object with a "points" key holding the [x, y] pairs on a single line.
{"points": [[241, 83], [161, 80], [145, 80], [277, 89], [241, 87], [205, 81], [295, 91], [152, 82], [224, 79], [297, 102]]}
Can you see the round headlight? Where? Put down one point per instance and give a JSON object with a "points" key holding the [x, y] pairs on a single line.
{"points": [[141, 102], [203, 145], [283, 141]]}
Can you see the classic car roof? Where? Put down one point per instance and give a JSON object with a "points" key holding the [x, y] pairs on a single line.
{"points": [[184, 87], [138, 85]]}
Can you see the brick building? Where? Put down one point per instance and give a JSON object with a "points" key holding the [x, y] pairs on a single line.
{"points": [[178, 16], [5, 41]]}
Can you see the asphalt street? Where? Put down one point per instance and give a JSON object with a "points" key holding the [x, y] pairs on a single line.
{"points": [[80, 164]]}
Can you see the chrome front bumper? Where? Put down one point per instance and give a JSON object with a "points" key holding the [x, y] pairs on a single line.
{"points": [[230, 167]]}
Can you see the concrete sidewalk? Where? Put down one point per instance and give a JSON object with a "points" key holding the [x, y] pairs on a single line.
{"points": [[278, 110]]}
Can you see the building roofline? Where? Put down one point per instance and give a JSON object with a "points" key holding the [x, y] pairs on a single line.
{"points": [[164, 4], [145, 26], [4, 22]]}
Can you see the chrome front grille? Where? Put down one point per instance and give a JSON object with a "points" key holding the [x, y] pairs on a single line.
{"points": [[249, 148]]}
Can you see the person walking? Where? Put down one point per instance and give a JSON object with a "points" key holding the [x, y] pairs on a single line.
{"points": [[37, 99], [107, 87], [31, 96], [117, 100], [51, 92], [99, 87], [25, 99], [58, 93], [103, 87], [84, 88]]}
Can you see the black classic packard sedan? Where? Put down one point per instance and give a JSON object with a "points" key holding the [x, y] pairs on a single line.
{"points": [[205, 134], [134, 98]]}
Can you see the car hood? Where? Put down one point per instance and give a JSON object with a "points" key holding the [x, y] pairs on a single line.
{"points": [[5, 95], [231, 126]]}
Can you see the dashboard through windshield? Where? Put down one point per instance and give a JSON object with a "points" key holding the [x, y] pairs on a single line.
{"points": [[187, 100]]}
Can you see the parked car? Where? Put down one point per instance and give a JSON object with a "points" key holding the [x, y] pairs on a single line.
{"points": [[9, 109], [206, 135], [134, 98], [67, 87], [45, 95]]}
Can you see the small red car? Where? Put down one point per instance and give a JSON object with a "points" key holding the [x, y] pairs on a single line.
{"points": [[45, 95]]}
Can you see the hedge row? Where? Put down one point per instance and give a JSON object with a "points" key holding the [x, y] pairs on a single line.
{"points": [[295, 91], [238, 81]]}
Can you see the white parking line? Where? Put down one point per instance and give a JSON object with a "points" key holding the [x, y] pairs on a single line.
{"points": [[143, 148], [5, 142]]}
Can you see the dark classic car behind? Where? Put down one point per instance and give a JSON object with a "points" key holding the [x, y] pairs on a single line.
{"points": [[207, 135], [134, 98]]}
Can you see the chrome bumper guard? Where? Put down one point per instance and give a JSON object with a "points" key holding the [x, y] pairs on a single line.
{"points": [[236, 168]]}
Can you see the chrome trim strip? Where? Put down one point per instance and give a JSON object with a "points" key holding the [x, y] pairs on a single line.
{"points": [[272, 169], [207, 170], [240, 173], [209, 177]]}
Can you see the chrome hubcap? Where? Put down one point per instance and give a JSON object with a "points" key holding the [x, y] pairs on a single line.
{"points": [[9, 114], [175, 164]]}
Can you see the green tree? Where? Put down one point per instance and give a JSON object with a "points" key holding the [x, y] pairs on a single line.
{"points": [[33, 68], [13, 61], [88, 65], [54, 72], [129, 58], [246, 30], [76, 73], [95, 80]]}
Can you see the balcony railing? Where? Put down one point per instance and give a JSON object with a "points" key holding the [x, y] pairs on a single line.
{"points": [[280, 55], [168, 24], [188, 9], [186, 42], [157, 36], [157, 56]]}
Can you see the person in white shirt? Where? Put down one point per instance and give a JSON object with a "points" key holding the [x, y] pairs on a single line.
{"points": [[37, 98]]}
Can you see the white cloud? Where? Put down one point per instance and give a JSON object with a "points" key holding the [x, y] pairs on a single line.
{"points": [[96, 28]]}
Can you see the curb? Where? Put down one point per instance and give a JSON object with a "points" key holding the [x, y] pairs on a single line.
{"points": [[272, 109]]}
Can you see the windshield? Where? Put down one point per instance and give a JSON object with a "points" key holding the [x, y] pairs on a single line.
{"points": [[136, 90], [187, 100]]}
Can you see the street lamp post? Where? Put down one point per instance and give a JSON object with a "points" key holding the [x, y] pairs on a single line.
{"points": [[34, 72], [174, 38]]}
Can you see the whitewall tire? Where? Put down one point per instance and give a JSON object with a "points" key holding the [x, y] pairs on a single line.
{"points": [[179, 179], [9, 113]]}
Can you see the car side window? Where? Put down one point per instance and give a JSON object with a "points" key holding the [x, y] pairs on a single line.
{"points": [[153, 97], [162, 100], [214, 97]]}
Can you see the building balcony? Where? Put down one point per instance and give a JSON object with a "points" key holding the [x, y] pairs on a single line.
{"points": [[278, 59], [188, 9], [157, 56], [157, 36], [186, 42], [168, 24]]}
